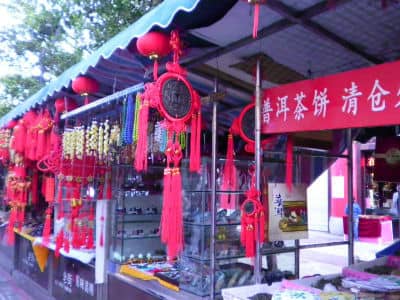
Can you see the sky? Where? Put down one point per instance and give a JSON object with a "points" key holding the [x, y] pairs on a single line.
{"points": [[6, 21]]}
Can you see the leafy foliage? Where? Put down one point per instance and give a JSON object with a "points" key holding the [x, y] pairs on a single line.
{"points": [[53, 35]]}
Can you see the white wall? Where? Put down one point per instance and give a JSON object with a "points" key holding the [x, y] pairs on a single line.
{"points": [[317, 203]]}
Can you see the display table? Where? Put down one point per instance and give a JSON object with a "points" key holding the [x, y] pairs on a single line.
{"points": [[373, 229], [131, 288]]}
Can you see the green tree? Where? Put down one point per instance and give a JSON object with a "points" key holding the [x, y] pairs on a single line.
{"points": [[53, 35]]}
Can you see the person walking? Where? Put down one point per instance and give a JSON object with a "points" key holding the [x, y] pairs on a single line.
{"points": [[356, 217]]}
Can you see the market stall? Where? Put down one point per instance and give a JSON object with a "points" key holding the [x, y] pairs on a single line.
{"points": [[145, 154]]}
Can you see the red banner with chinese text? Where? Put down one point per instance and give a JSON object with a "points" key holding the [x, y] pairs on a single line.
{"points": [[365, 97]]}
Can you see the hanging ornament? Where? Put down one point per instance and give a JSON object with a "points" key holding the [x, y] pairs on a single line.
{"points": [[243, 126], [256, 14], [154, 45], [171, 219], [85, 86], [252, 222], [229, 178], [178, 103], [5, 138], [44, 127]]}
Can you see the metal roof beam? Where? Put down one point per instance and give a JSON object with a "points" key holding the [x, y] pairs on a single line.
{"points": [[320, 31], [276, 27]]}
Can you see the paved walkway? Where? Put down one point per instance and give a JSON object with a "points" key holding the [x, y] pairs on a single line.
{"points": [[331, 260], [9, 289]]}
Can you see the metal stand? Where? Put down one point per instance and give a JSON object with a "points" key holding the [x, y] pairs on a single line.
{"points": [[213, 189], [349, 142], [257, 159]]}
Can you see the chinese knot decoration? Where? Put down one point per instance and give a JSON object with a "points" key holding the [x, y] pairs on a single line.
{"points": [[252, 221], [84, 86], [179, 104]]}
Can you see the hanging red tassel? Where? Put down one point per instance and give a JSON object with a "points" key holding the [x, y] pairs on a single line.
{"points": [[47, 227], [34, 190], [50, 189], [171, 219], [289, 163], [165, 217], [109, 187], [59, 242], [11, 223], [175, 240], [141, 147], [19, 137], [256, 19], [229, 181]]}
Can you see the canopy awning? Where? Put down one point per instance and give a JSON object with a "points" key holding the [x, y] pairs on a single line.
{"points": [[116, 65]]}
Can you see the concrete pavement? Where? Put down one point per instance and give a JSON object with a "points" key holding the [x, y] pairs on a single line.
{"points": [[9, 289]]}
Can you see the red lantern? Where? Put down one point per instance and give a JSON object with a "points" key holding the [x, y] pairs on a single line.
{"points": [[154, 45], [84, 86], [63, 105]]}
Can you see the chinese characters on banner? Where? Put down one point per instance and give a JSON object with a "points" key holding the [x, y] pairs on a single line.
{"points": [[361, 98], [287, 212]]}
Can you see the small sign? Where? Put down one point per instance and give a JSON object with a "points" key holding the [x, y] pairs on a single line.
{"points": [[287, 212], [73, 280]]}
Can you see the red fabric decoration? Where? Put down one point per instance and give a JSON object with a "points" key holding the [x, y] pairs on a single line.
{"points": [[11, 222], [84, 86], [252, 222], [44, 126], [141, 147], [229, 180], [19, 137], [256, 14], [47, 227], [171, 219], [154, 45], [59, 242], [289, 163]]}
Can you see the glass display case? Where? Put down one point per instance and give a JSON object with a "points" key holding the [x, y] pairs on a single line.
{"points": [[136, 215], [196, 258]]}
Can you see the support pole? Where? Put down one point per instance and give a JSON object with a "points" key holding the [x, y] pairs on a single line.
{"points": [[349, 143], [213, 189], [257, 159]]}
